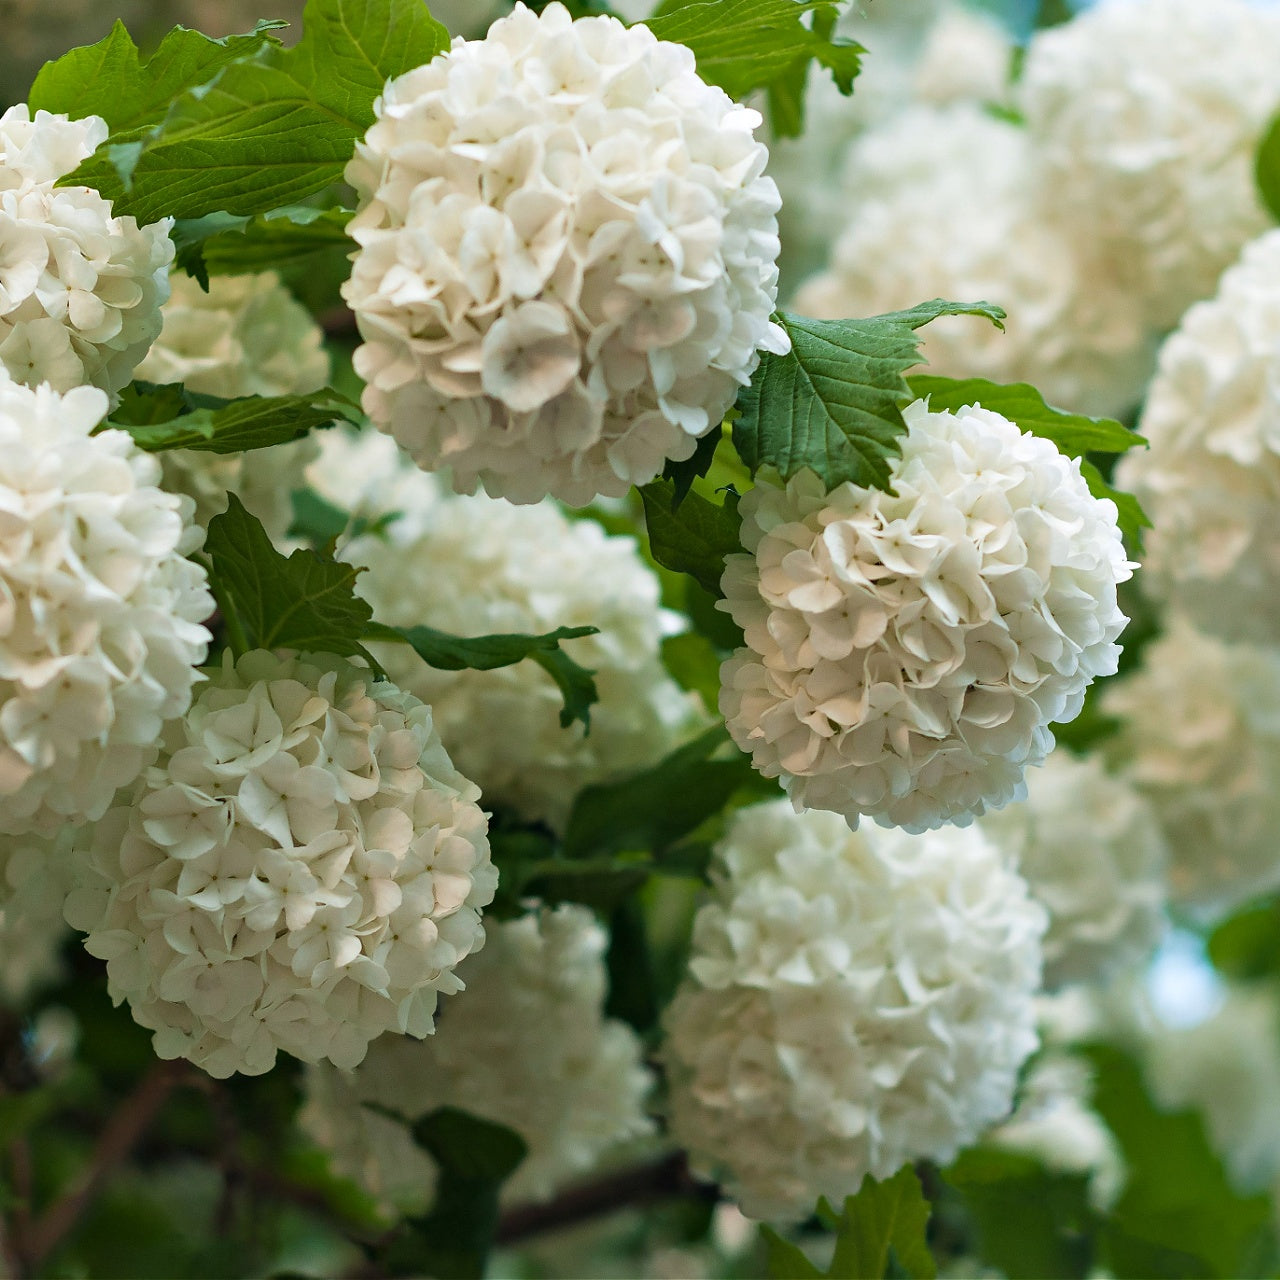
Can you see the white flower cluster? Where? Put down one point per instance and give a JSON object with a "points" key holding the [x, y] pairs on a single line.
{"points": [[945, 205], [1055, 1124], [906, 652], [567, 257], [34, 879], [1092, 852], [367, 475], [100, 615], [80, 289], [302, 870], [1147, 145], [1200, 738], [526, 1045], [476, 566], [857, 1000], [1228, 1069], [1211, 478], [248, 336]]}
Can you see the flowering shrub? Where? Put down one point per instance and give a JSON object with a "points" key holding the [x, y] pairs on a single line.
{"points": [[398, 879]]}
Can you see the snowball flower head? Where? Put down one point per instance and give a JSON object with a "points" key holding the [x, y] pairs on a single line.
{"points": [[80, 289], [1093, 853], [1055, 1124], [943, 203], [476, 566], [856, 1000], [1147, 144], [525, 1045], [1227, 1069], [1200, 738], [302, 870], [566, 260], [906, 652], [100, 614], [1211, 478], [248, 336]]}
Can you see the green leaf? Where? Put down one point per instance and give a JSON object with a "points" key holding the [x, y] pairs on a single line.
{"points": [[653, 809], [713, 624], [1247, 946], [315, 519], [1266, 168], [474, 1157], [786, 1261], [1028, 1221], [834, 402], [305, 602], [696, 538], [1177, 1204], [633, 995], [883, 1215], [694, 467], [466, 1147], [743, 45], [168, 417], [111, 80], [693, 662], [221, 244], [483, 653], [1073, 433], [575, 683], [271, 129], [602, 884]]}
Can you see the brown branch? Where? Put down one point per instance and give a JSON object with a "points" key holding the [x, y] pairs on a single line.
{"points": [[133, 1118], [667, 1178]]}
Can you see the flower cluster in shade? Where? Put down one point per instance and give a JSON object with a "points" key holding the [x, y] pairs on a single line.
{"points": [[1199, 737], [80, 289], [247, 336], [944, 202], [1146, 145], [857, 1000], [906, 651], [1210, 480], [34, 879], [566, 261], [933, 55], [1055, 1124], [1093, 853], [525, 1045], [100, 614], [476, 566], [302, 870], [1227, 1069]]}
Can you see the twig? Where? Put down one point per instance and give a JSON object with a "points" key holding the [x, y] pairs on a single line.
{"points": [[118, 1139], [665, 1179]]}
